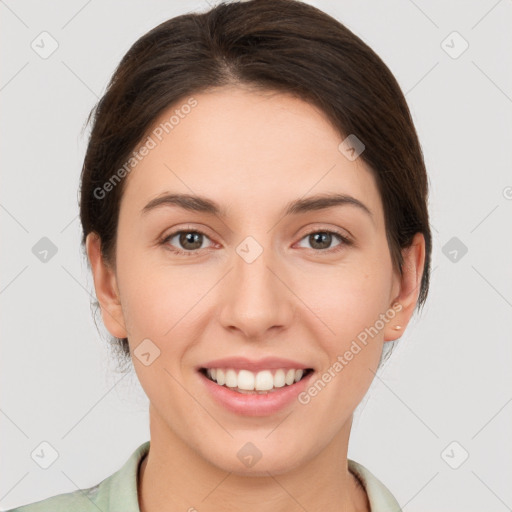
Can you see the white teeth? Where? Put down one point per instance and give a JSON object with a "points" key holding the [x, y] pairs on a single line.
{"points": [[220, 377], [245, 380], [231, 379], [290, 377], [279, 379], [264, 381]]}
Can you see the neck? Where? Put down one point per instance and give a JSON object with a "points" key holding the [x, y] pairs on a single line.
{"points": [[322, 483]]}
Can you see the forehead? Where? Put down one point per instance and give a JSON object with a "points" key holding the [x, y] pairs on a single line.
{"points": [[246, 147]]}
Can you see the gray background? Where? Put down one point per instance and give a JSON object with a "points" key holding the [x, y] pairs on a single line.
{"points": [[449, 378]]}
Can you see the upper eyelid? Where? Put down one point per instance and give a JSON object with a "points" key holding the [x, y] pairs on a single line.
{"points": [[335, 231]]}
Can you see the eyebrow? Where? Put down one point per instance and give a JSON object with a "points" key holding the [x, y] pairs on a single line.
{"points": [[203, 204]]}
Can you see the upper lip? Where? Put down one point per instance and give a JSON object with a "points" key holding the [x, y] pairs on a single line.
{"points": [[242, 363]]}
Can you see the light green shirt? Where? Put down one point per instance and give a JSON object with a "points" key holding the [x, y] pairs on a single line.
{"points": [[118, 492]]}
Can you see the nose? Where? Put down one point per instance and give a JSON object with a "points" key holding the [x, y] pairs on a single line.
{"points": [[255, 299]]}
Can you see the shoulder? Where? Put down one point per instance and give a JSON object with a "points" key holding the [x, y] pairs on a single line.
{"points": [[117, 493], [81, 500], [379, 496]]}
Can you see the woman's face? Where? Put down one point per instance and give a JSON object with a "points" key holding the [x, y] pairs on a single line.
{"points": [[258, 279]]}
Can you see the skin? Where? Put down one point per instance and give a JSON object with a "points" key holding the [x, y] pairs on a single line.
{"points": [[251, 152]]}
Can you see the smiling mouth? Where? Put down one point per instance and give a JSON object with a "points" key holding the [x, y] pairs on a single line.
{"points": [[252, 383]]}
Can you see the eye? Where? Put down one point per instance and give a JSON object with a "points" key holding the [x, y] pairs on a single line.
{"points": [[320, 240], [190, 240]]}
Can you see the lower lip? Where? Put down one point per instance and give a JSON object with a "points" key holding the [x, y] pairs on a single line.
{"points": [[255, 404]]}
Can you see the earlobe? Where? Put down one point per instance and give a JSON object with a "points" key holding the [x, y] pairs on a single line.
{"points": [[410, 285], [105, 284]]}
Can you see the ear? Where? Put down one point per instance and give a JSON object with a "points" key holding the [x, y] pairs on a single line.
{"points": [[405, 301], [107, 292]]}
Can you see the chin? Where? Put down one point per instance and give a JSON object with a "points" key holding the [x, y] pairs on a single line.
{"points": [[251, 461]]}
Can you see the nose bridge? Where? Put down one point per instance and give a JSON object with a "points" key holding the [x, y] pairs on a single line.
{"points": [[256, 299]]}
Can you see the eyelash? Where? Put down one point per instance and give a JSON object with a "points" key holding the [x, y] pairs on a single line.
{"points": [[344, 241]]}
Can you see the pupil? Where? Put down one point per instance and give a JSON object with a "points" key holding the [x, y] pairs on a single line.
{"points": [[320, 236], [191, 238]]}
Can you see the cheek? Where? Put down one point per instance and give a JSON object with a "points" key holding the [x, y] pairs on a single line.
{"points": [[164, 302], [350, 303], [159, 298], [161, 304], [156, 299], [349, 299]]}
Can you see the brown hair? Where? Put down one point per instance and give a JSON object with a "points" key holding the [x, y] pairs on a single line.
{"points": [[275, 45]]}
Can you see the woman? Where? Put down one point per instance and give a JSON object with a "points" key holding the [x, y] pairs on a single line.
{"points": [[254, 211]]}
